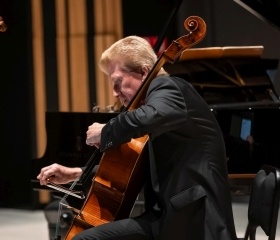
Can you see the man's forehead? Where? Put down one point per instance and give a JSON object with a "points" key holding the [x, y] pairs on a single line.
{"points": [[114, 66]]}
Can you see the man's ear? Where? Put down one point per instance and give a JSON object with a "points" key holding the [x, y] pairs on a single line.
{"points": [[144, 71]]}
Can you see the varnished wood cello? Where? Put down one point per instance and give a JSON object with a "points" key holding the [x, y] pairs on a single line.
{"points": [[121, 171]]}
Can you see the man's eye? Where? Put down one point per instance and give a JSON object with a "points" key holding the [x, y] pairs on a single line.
{"points": [[117, 88]]}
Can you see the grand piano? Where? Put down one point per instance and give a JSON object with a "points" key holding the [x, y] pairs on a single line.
{"points": [[236, 82]]}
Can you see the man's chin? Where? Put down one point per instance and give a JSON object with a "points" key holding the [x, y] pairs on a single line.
{"points": [[125, 103]]}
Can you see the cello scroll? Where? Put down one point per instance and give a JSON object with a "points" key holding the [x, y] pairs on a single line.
{"points": [[3, 26], [197, 31]]}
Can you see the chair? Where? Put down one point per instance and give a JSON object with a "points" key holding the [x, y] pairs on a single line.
{"points": [[264, 203]]}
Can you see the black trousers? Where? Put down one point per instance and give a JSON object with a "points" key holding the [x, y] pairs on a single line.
{"points": [[137, 228], [188, 223]]}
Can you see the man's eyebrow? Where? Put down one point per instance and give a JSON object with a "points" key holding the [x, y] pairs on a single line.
{"points": [[115, 81], [116, 78]]}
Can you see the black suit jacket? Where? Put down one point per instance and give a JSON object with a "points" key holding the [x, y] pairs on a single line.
{"points": [[189, 180]]}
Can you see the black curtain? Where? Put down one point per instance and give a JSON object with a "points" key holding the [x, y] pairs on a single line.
{"points": [[16, 105]]}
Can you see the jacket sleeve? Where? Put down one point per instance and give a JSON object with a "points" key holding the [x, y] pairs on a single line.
{"points": [[164, 110]]}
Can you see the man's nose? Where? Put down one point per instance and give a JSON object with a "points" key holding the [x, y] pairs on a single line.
{"points": [[116, 94]]}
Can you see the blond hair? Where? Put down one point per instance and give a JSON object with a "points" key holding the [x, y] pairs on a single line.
{"points": [[132, 52]]}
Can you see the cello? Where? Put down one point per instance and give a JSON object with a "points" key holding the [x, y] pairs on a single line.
{"points": [[121, 173]]}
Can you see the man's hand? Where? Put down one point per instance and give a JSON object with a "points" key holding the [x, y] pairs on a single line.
{"points": [[58, 174], [94, 134]]}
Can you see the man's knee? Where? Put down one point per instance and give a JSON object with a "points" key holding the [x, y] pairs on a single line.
{"points": [[86, 235]]}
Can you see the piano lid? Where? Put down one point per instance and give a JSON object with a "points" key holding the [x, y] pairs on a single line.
{"points": [[229, 76], [266, 10]]}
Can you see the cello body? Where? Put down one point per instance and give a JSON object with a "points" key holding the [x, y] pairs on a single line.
{"points": [[122, 169], [115, 187]]}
